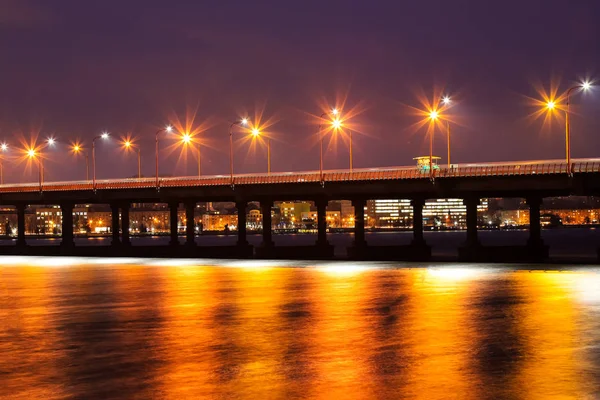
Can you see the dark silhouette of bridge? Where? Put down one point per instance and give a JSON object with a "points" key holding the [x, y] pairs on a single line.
{"points": [[531, 180]]}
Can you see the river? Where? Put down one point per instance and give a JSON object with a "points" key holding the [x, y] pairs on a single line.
{"points": [[566, 243], [75, 328]]}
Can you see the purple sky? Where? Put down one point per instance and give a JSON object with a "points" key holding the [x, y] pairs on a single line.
{"points": [[74, 68]]}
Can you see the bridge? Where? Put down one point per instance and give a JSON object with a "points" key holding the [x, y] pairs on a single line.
{"points": [[532, 180]]}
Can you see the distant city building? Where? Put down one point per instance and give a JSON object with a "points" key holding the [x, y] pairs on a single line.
{"points": [[218, 222], [332, 217], [48, 220], [448, 213], [291, 213], [567, 217], [388, 213], [347, 214], [254, 220]]}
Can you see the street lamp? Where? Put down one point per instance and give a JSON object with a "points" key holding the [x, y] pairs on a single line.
{"points": [[77, 148], [103, 136], [446, 101], [187, 139], [4, 148], [50, 141], [256, 133], [433, 116], [584, 86], [241, 122], [129, 145], [335, 123], [167, 129], [32, 154]]}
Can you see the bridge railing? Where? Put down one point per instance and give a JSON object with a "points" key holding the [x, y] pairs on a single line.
{"points": [[357, 175]]}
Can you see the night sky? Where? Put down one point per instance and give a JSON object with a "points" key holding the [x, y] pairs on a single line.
{"points": [[73, 68]]}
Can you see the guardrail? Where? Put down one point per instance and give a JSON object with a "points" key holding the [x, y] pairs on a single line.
{"points": [[365, 174]]}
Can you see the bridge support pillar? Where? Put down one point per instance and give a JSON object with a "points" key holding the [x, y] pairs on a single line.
{"points": [[418, 238], [190, 224], [538, 251], [241, 213], [322, 222], [359, 247], [535, 225], [125, 224], [472, 249], [173, 206], [67, 226], [324, 249], [21, 225], [116, 240], [472, 237], [267, 223]]}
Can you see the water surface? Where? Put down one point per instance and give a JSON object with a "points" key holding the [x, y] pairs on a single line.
{"points": [[84, 328]]}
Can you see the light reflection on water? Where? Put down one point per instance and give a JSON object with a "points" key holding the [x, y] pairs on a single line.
{"points": [[174, 329]]}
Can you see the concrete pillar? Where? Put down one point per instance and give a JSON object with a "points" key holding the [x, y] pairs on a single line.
{"points": [[359, 222], [67, 225], [173, 206], [535, 227], [21, 225], [267, 222], [190, 234], [125, 224], [321, 222], [472, 239], [241, 212], [418, 239], [116, 240]]}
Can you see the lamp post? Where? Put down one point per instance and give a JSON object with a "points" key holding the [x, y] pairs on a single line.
{"points": [[49, 142], [32, 154], [433, 115], [446, 101], [129, 145], [583, 86], [168, 129], [199, 160], [104, 136], [241, 122], [334, 112], [78, 149], [256, 133], [4, 148], [187, 139]]}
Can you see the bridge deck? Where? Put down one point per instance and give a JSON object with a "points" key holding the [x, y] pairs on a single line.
{"points": [[357, 175]]}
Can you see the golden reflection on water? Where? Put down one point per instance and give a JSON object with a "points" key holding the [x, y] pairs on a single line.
{"points": [[321, 333]]}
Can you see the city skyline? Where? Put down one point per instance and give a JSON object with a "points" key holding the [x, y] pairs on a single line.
{"points": [[161, 70]]}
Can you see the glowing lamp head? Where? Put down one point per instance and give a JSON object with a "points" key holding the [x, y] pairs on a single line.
{"points": [[4, 146], [76, 148], [335, 111], [550, 105], [127, 143], [336, 123], [104, 135], [244, 121], [169, 128], [31, 153], [51, 141], [433, 115], [186, 138], [446, 100], [255, 132], [586, 85]]}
